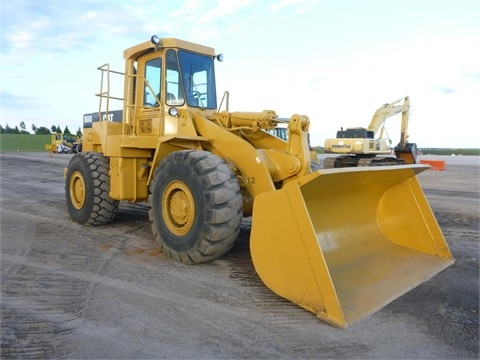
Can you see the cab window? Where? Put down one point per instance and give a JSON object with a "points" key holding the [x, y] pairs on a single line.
{"points": [[174, 95], [198, 79], [153, 71]]}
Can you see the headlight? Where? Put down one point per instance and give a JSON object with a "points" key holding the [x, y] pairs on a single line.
{"points": [[173, 111]]}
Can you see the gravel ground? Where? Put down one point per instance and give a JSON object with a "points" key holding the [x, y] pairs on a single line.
{"points": [[78, 292]]}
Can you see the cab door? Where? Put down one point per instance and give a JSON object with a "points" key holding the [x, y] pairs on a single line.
{"points": [[149, 107]]}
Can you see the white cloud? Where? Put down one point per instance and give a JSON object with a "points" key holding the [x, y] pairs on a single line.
{"points": [[223, 9], [19, 40], [299, 6]]}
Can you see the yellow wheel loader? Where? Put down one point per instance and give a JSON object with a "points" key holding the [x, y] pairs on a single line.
{"points": [[359, 146], [63, 143], [341, 243]]}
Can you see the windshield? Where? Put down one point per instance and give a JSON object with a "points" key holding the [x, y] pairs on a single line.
{"points": [[198, 79]]}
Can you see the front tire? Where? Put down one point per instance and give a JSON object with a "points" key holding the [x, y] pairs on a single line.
{"points": [[196, 206], [87, 187]]}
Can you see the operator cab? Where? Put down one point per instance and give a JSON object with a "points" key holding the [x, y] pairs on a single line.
{"points": [[355, 133], [188, 77]]}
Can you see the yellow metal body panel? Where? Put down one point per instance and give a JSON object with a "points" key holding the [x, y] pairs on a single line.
{"points": [[91, 140], [357, 146], [127, 180], [346, 242]]}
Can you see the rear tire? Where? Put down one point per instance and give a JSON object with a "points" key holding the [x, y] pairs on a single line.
{"points": [[196, 206], [75, 148], [87, 188]]}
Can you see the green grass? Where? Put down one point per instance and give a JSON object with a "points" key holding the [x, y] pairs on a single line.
{"points": [[450, 151], [33, 143], [23, 142]]}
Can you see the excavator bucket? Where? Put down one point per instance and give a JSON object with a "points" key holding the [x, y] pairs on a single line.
{"points": [[407, 153], [345, 242]]}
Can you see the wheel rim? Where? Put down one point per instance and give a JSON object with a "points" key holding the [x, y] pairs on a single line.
{"points": [[77, 190], [178, 208]]}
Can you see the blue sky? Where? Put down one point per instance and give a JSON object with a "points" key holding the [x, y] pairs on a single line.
{"points": [[335, 61]]}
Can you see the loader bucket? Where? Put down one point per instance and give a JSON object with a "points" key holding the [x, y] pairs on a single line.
{"points": [[345, 242]]}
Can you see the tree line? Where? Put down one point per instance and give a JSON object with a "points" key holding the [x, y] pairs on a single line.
{"points": [[41, 130]]}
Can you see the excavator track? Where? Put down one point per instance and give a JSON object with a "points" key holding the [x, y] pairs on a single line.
{"points": [[354, 161], [377, 161]]}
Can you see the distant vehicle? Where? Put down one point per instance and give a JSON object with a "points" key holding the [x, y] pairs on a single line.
{"points": [[59, 142], [359, 146]]}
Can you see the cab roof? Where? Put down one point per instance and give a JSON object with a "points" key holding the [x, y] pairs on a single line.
{"points": [[135, 51]]}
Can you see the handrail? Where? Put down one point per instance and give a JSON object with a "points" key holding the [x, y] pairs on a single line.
{"points": [[226, 95], [106, 94]]}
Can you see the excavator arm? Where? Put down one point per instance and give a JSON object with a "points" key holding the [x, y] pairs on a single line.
{"points": [[404, 150], [404, 127], [387, 111]]}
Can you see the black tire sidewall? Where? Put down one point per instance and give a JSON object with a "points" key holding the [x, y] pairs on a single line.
{"points": [[79, 163], [168, 172]]}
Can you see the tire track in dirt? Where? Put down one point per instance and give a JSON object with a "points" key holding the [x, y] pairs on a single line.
{"points": [[45, 293], [240, 268], [40, 305]]}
